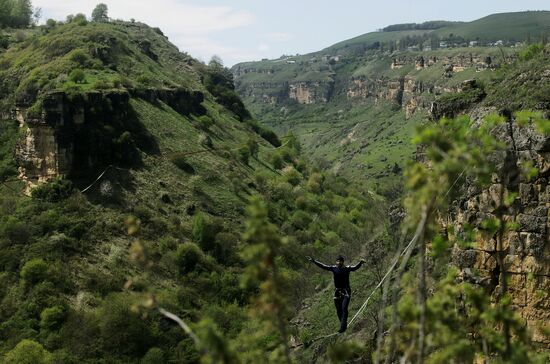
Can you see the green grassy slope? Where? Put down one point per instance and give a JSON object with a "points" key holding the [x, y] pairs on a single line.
{"points": [[506, 26], [111, 56]]}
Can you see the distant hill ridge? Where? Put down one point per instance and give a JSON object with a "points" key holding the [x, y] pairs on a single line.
{"points": [[428, 25], [509, 27]]}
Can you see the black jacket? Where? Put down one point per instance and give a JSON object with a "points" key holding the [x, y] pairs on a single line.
{"points": [[341, 275]]}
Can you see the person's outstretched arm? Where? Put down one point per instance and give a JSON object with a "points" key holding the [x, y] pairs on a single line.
{"points": [[319, 264], [357, 266]]}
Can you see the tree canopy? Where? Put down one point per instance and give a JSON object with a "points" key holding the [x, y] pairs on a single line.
{"points": [[15, 13], [100, 13]]}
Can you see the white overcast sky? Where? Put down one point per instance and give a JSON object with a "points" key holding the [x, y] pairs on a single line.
{"points": [[244, 30]]}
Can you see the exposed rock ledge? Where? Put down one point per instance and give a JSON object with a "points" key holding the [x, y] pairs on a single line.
{"points": [[525, 253]]}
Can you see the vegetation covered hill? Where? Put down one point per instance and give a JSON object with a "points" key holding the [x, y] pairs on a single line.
{"points": [[509, 27], [166, 200], [468, 160], [354, 105], [157, 217]]}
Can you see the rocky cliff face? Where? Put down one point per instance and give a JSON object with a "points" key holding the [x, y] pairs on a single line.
{"points": [[38, 153], [74, 135], [404, 92], [303, 92], [457, 63], [311, 92], [408, 92], [523, 258]]}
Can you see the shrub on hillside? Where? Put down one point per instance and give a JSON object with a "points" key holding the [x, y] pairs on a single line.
{"points": [[102, 85], [531, 52], [145, 81], [300, 220], [205, 122], [14, 230], [206, 141], [77, 76], [20, 36], [260, 179], [270, 136], [301, 202], [280, 190], [315, 183], [188, 256], [153, 356], [55, 191], [34, 271], [292, 176], [253, 147], [79, 19], [4, 42], [28, 352], [276, 160], [265, 133], [122, 330], [205, 230], [244, 154], [51, 318], [80, 57], [225, 248]]}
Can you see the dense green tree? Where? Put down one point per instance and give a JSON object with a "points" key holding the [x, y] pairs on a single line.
{"points": [[15, 13], [122, 330], [219, 82], [34, 271], [21, 13], [100, 13], [188, 256], [5, 11]]}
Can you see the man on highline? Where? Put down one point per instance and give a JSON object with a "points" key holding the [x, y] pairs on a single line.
{"points": [[342, 293]]}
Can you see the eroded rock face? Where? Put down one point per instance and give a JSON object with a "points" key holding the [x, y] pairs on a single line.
{"points": [[410, 93], [73, 136], [38, 153], [303, 92], [404, 92], [308, 92], [457, 63], [523, 257]]}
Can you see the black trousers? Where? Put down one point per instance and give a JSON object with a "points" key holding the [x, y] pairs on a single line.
{"points": [[341, 301]]}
